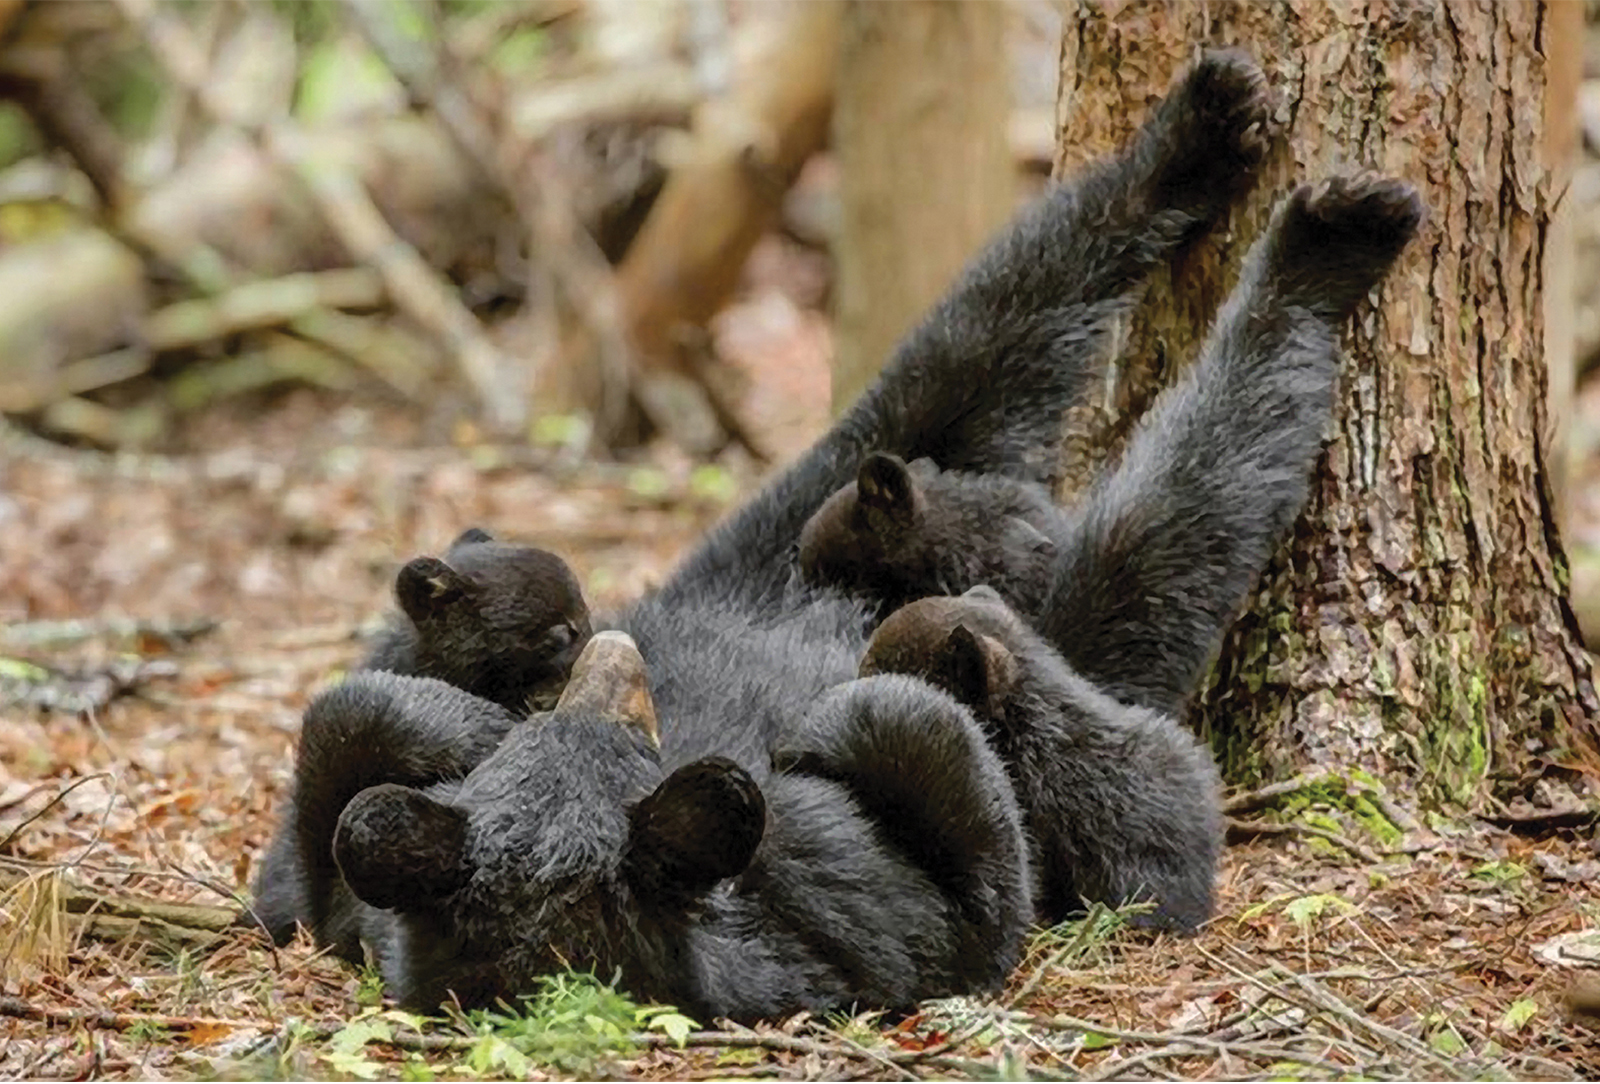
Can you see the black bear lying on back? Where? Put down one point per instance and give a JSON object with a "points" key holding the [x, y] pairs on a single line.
{"points": [[640, 827]]}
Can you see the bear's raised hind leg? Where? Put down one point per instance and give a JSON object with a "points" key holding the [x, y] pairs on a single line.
{"points": [[1170, 542]]}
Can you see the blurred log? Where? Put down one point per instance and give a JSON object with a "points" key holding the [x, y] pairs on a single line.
{"points": [[231, 197], [662, 92], [71, 296], [726, 192], [261, 304], [39, 78], [83, 293], [9, 10]]}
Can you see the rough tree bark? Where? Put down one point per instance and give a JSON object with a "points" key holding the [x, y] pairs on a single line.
{"points": [[1417, 625], [925, 172]]}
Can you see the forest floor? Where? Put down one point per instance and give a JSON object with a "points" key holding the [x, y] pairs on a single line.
{"points": [[166, 621]]}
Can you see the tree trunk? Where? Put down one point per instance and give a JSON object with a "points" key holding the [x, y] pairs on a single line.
{"points": [[1416, 626], [925, 172], [1564, 59]]}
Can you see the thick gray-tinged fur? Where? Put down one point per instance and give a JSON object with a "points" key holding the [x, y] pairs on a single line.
{"points": [[1122, 803], [901, 532], [1165, 548], [372, 728], [841, 901], [981, 384], [833, 906], [1147, 572], [501, 621]]}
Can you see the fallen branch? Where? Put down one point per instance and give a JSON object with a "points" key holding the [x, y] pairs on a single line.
{"points": [[120, 918], [414, 287], [255, 305], [55, 635], [39, 79], [382, 348], [725, 193], [19, 1009], [1252, 800], [583, 278], [1243, 831]]}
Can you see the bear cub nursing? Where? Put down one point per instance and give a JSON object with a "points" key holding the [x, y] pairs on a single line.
{"points": [[903, 531], [1121, 803]]}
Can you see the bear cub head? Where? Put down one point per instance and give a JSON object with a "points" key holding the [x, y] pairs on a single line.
{"points": [[502, 621]]}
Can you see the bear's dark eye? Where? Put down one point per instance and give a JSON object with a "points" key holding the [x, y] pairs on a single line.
{"points": [[557, 639]]}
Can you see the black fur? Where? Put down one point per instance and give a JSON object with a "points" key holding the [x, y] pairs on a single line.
{"points": [[982, 383], [372, 728], [501, 621], [1122, 803], [888, 864], [903, 532], [1166, 547], [1137, 584], [721, 887]]}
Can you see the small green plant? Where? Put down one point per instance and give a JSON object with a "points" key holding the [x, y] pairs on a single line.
{"points": [[1502, 872], [560, 430], [369, 990], [571, 1023], [347, 1051], [713, 483], [1303, 911], [147, 1031], [1517, 1016], [649, 483], [1085, 940], [862, 1030]]}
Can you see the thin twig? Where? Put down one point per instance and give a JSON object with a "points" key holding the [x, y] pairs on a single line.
{"points": [[51, 804], [114, 1021], [1080, 938]]}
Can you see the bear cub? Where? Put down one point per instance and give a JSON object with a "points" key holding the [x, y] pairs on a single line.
{"points": [[500, 621], [903, 531], [1123, 803]]}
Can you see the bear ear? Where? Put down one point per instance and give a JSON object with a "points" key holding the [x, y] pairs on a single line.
{"points": [[981, 669], [701, 825], [982, 593], [396, 846], [472, 536], [608, 682], [426, 585], [884, 485]]}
